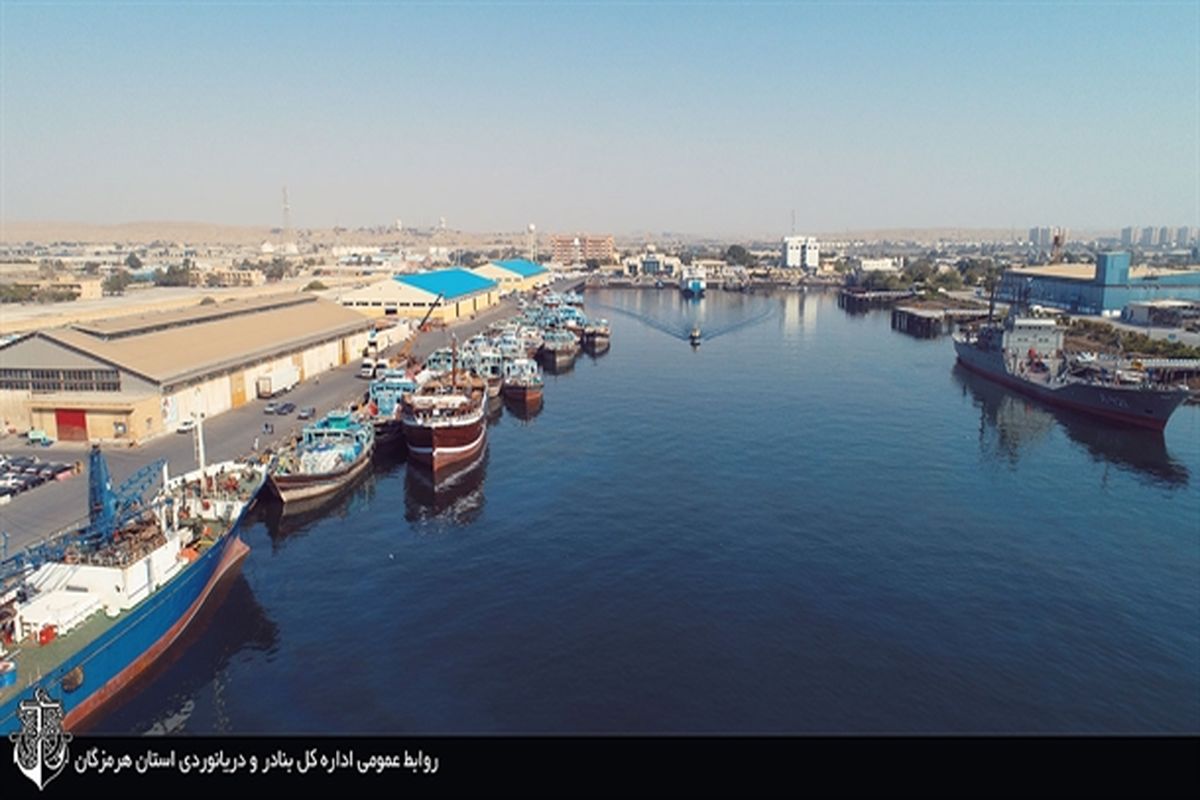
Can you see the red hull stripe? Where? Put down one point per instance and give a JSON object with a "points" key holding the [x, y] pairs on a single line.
{"points": [[1128, 419], [234, 553]]}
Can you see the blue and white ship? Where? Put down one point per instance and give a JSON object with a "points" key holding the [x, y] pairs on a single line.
{"points": [[86, 612], [692, 281]]}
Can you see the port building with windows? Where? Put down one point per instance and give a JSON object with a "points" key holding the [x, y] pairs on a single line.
{"points": [[131, 378], [446, 295], [518, 275], [1104, 288]]}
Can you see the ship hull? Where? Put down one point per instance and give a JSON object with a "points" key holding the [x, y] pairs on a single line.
{"points": [[294, 488], [526, 395], [444, 446], [117, 657], [558, 360], [389, 435], [1141, 408]]}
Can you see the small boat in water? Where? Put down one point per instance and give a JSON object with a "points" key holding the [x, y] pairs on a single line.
{"points": [[596, 335], [694, 337], [522, 382], [329, 456]]}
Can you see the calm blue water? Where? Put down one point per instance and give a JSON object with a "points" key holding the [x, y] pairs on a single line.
{"points": [[811, 523]]}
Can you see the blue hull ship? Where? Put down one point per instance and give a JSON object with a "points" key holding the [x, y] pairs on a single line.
{"points": [[102, 644]]}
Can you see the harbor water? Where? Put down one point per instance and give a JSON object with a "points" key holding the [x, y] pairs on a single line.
{"points": [[809, 523]]}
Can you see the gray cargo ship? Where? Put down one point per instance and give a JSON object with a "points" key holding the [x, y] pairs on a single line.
{"points": [[1026, 354]]}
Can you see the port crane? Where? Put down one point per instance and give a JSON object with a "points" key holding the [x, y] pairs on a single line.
{"points": [[108, 511], [400, 358]]}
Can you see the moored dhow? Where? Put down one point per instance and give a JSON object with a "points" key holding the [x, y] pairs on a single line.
{"points": [[329, 456], [383, 408], [1026, 354], [87, 611], [559, 348], [522, 381], [444, 419]]}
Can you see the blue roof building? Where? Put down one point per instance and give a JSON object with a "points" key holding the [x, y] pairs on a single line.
{"points": [[444, 294], [1105, 287], [516, 274], [453, 283]]}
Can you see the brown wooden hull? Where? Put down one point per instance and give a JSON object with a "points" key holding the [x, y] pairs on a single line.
{"points": [[444, 446], [517, 393]]}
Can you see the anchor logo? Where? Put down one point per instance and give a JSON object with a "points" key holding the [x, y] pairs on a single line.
{"points": [[40, 748]]}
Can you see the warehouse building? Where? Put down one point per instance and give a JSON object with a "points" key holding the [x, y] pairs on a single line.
{"points": [[452, 294], [1105, 287], [131, 378], [518, 275]]}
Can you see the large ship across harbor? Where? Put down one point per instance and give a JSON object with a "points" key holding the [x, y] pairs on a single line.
{"points": [[83, 614], [692, 281], [1026, 354]]}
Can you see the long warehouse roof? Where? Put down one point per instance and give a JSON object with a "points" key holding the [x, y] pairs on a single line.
{"points": [[523, 267], [193, 349], [453, 283]]}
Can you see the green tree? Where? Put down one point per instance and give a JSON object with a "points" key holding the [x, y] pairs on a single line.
{"points": [[739, 256], [173, 275], [315, 286], [133, 262], [116, 282]]}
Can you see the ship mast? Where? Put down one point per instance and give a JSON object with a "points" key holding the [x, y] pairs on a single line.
{"points": [[453, 363]]}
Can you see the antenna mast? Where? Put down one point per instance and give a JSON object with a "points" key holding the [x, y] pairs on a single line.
{"points": [[287, 216]]}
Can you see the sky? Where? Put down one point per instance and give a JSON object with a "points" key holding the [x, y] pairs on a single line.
{"points": [[701, 118]]}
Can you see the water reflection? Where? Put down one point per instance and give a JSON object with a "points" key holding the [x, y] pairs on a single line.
{"points": [[283, 521], [1018, 422], [162, 699], [524, 410], [456, 495]]}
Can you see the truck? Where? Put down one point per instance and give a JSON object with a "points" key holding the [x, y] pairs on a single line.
{"points": [[370, 367], [278, 381]]}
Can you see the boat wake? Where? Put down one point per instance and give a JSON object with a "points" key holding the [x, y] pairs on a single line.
{"points": [[763, 316], [683, 332]]}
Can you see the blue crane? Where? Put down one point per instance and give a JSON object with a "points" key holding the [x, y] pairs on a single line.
{"points": [[108, 511]]}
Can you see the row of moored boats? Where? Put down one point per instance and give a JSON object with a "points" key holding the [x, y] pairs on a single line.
{"points": [[437, 410]]}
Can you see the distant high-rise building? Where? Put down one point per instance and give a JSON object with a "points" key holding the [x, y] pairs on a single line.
{"points": [[1128, 236], [580, 248], [1044, 237], [1149, 237], [1183, 236], [1164, 235], [803, 252]]}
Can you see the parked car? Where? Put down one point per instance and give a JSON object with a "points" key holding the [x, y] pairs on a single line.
{"points": [[187, 426], [285, 408], [270, 407], [308, 412]]}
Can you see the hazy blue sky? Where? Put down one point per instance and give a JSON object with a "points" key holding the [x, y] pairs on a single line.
{"points": [[696, 117]]}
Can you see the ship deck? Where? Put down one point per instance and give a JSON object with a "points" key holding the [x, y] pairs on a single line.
{"points": [[34, 661]]}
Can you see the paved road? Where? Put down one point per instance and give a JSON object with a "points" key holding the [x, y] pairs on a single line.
{"points": [[52, 507]]}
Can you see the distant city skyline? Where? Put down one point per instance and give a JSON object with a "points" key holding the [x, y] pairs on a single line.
{"points": [[708, 119]]}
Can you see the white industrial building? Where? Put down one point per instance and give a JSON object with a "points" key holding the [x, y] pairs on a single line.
{"points": [[801, 252]]}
